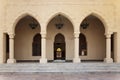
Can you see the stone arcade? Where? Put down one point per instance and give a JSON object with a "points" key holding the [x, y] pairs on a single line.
{"points": [[68, 41]]}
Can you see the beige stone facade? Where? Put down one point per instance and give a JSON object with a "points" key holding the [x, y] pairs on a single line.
{"points": [[102, 35]]}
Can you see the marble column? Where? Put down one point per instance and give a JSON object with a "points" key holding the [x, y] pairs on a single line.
{"points": [[108, 58], [76, 48], [43, 58], [11, 46]]}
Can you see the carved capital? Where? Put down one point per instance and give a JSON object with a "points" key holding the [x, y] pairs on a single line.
{"points": [[108, 35], [11, 36], [43, 34], [76, 34]]}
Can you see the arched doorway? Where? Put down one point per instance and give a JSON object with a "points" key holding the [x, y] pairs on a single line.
{"points": [[82, 45], [59, 47], [26, 38], [36, 45]]}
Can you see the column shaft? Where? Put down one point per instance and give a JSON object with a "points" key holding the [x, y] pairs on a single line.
{"points": [[108, 58], [43, 46], [108, 50], [11, 46], [76, 49]]}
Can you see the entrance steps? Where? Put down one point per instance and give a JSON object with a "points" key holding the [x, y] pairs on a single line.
{"points": [[59, 67], [59, 61]]}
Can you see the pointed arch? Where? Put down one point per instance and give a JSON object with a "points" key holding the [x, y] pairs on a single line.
{"points": [[24, 36], [21, 17], [60, 13], [95, 36], [59, 38], [99, 17]]}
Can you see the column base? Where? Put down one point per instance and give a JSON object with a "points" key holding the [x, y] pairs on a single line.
{"points": [[108, 60], [11, 61], [76, 60], [43, 60]]}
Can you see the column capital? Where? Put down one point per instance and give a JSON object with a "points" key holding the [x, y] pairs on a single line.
{"points": [[108, 35], [43, 34], [11, 36], [76, 34]]}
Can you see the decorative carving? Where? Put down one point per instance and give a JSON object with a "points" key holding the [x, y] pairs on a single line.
{"points": [[11, 36], [76, 34], [43, 35]]}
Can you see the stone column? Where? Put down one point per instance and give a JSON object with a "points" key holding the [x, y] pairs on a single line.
{"points": [[76, 48], [108, 58], [43, 48], [11, 46]]}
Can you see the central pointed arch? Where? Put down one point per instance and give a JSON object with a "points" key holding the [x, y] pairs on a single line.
{"points": [[62, 14], [67, 30]]}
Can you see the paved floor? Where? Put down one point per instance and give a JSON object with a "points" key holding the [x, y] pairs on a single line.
{"points": [[60, 76]]}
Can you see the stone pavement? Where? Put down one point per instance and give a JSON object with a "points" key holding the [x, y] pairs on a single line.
{"points": [[59, 76]]}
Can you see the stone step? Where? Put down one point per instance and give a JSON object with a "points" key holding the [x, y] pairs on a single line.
{"points": [[60, 67]]}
